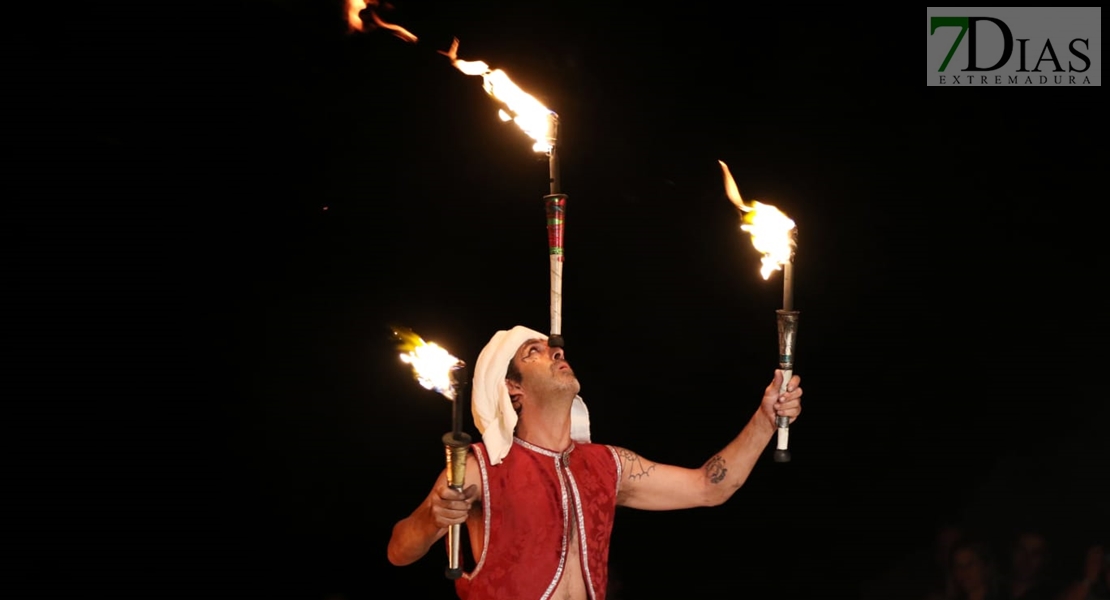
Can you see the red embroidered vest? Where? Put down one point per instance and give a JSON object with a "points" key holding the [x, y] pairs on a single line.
{"points": [[526, 504]]}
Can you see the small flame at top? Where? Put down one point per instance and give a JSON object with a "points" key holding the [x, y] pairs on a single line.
{"points": [[431, 364], [773, 233], [529, 114], [354, 20]]}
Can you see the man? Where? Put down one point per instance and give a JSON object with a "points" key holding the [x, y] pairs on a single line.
{"points": [[540, 499], [1028, 577]]}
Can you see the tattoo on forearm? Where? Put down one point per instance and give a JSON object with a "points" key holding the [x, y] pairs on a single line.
{"points": [[715, 469], [635, 466]]}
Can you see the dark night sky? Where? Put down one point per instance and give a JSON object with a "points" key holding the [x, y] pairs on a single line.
{"points": [[205, 396]]}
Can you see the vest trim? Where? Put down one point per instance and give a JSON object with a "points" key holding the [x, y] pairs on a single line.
{"points": [[485, 511]]}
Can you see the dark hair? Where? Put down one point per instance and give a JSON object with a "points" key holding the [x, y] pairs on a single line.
{"points": [[512, 372]]}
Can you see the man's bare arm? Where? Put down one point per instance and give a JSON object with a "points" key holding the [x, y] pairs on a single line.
{"points": [[414, 535], [652, 486]]}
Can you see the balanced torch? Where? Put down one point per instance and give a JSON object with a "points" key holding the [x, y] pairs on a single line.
{"points": [[541, 124], [439, 371], [775, 236]]}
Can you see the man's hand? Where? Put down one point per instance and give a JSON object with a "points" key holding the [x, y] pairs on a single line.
{"points": [[778, 404], [448, 505], [431, 519]]}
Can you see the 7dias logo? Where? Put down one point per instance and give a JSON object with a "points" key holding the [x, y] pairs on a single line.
{"points": [[993, 59]]}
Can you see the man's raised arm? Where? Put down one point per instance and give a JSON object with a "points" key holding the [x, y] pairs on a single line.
{"points": [[651, 486]]}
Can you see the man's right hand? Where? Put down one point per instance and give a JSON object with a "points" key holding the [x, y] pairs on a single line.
{"points": [[450, 506]]}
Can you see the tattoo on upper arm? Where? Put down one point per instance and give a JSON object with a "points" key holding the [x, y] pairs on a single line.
{"points": [[715, 469], [635, 466]]}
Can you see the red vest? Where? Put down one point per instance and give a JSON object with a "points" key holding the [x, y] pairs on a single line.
{"points": [[526, 502]]}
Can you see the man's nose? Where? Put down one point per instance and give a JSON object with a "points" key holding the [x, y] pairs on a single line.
{"points": [[557, 354]]}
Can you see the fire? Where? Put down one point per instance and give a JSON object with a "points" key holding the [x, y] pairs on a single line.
{"points": [[431, 364], [533, 118], [773, 233], [354, 20]]}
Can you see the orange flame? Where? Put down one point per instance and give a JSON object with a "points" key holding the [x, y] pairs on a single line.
{"points": [[773, 233], [533, 118], [354, 20]]}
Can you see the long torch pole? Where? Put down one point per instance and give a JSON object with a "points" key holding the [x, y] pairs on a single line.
{"points": [[456, 443], [788, 330], [555, 204]]}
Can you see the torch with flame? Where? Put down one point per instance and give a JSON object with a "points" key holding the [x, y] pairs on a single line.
{"points": [[529, 114], [774, 235], [437, 370], [541, 125]]}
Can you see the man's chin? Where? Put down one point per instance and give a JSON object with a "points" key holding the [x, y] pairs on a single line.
{"points": [[571, 385]]}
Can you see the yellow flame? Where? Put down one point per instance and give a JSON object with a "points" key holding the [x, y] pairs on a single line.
{"points": [[354, 20], [772, 232], [533, 118], [431, 364]]}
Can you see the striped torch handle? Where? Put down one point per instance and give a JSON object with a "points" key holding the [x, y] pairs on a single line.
{"points": [[555, 205]]}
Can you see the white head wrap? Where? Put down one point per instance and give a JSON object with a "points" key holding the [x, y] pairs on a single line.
{"points": [[490, 403]]}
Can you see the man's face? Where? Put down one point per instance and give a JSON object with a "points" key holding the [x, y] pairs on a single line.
{"points": [[544, 370], [968, 569], [1029, 556]]}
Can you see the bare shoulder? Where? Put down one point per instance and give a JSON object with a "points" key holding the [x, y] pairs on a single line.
{"points": [[650, 485], [633, 466]]}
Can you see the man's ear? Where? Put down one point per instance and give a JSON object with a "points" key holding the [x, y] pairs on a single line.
{"points": [[515, 392]]}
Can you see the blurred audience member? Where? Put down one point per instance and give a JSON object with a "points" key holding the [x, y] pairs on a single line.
{"points": [[1028, 575], [973, 573], [1094, 581]]}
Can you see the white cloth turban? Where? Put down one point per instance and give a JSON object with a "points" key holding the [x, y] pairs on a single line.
{"points": [[490, 403]]}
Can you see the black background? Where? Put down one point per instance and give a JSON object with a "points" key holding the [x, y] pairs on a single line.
{"points": [[215, 215]]}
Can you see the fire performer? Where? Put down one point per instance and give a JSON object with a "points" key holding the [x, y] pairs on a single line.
{"points": [[541, 497]]}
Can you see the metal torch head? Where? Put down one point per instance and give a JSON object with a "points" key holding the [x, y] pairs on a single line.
{"points": [[460, 377], [553, 120]]}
